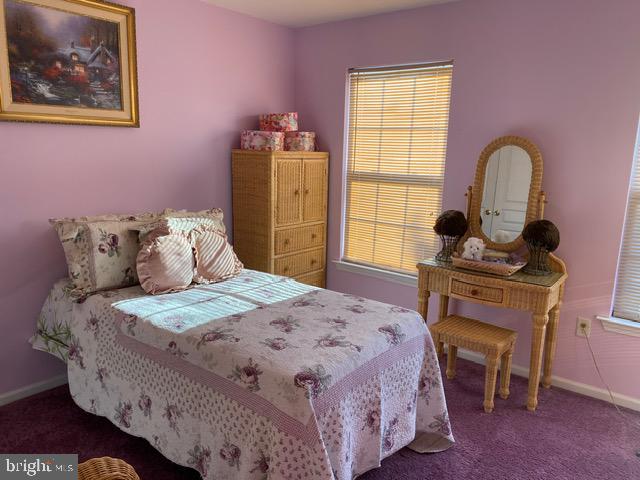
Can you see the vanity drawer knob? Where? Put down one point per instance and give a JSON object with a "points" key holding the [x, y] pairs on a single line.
{"points": [[474, 292]]}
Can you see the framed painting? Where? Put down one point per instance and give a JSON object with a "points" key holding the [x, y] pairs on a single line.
{"points": [[68, 61]]}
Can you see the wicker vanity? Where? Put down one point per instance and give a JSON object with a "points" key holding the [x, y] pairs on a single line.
{"points": [[542, 296], [539, 294]]}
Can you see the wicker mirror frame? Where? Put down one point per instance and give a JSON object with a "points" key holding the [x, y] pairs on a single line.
{"points": [[535, 190]]}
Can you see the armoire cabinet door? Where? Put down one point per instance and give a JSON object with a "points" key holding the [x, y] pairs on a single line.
{"points": [[288, 191], [314, 190]]}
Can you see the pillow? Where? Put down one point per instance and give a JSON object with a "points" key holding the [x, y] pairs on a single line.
{"points": [[215, 259], [100, 251], [184, 221], [165, 262]]}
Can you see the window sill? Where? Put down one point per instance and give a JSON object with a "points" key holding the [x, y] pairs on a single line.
{"points": [[619, 325], [379, 273]]}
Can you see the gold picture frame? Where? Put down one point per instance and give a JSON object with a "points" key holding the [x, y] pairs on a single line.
{"points": [[68, 61]]}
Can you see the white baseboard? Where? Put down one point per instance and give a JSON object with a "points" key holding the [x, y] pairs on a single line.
{"points": [[561, 382], [12, 396]]}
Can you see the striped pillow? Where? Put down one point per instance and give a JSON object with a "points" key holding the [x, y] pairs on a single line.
{"points": [[215, 259]]}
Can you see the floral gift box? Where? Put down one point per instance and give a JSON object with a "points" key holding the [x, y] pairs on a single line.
{"points": [[259, 140], [279, 122], [300, 141]]}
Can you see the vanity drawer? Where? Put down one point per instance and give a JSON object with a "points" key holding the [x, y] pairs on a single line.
{"points": [[299, 238], [477, 292], [299, 263], [316, 279]]}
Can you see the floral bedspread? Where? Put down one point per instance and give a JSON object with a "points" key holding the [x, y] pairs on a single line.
{"points": [[259, 377]]}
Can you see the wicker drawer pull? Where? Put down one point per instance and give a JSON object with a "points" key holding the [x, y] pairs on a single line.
{"points": [[286, 241], [296, 192], [306, 191], [479, 292]]}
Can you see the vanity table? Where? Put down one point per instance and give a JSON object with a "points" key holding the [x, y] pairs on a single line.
{"points": [[505, 165]]}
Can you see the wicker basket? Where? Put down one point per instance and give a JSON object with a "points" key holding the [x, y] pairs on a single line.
{"points": [[106, 468], [502, 269]]}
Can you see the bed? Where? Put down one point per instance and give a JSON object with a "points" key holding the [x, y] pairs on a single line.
{"points": [[258, 377]]}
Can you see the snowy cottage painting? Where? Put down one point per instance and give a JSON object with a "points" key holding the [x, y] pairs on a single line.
{"points": [[62, 58]]}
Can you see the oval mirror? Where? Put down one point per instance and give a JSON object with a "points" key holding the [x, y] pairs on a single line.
{"points": [[507, 181], [506, 192]]}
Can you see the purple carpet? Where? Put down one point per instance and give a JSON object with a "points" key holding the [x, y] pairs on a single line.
{"points": [[569, 437]]}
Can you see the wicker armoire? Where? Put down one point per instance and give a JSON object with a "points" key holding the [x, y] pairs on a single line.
{"points": [[280, 212]]}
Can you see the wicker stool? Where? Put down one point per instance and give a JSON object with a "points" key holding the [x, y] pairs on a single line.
{"points": [[106, 468], [494, 342]]}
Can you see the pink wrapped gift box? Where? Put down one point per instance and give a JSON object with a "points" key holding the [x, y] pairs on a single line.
{"points": [[259, 140], [279, 122], [300, 141]]}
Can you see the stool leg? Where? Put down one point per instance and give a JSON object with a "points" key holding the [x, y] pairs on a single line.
{"points": [[505, 373], [451, 362], [439, 348], [490, 382]]}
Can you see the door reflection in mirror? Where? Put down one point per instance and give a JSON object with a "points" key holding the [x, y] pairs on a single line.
{"points": [[506, 194]]}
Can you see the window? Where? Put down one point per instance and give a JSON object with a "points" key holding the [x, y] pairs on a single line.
{"points": [[397, 142], [626, 302]]}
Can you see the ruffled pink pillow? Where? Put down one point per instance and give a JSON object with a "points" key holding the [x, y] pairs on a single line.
{"points": [[165, 262], [215, 259]]}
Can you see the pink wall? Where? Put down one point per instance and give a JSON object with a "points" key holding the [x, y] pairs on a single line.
{"points": [[565, 74], [205, 73]]}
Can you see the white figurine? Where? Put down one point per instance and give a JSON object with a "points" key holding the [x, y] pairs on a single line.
{"points": [[473, 249]]}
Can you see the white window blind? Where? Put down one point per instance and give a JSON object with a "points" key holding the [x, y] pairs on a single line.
{"points": [[626, 303], [397, 142]]}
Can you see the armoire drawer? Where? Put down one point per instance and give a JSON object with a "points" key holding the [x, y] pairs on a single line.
{"points": [[483, 293], [300, 263], [317, 279], [299, 238]]}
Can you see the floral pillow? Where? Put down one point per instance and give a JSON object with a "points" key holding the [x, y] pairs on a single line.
{"points": [[100, 251]]}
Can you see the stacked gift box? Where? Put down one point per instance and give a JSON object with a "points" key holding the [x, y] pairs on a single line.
{"points": [[278, 131]]}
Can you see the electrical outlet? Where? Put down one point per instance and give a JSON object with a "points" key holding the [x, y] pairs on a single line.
{"points": [[583, 327]]}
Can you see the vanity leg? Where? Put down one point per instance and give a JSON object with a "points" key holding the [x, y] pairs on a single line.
{"points": [[423, 300], [444, 307], [490, 382], [550, 345], [438, 344], [537, 344]]}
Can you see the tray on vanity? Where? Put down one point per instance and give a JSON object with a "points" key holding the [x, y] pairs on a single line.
{"points": [[495, 268]]}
